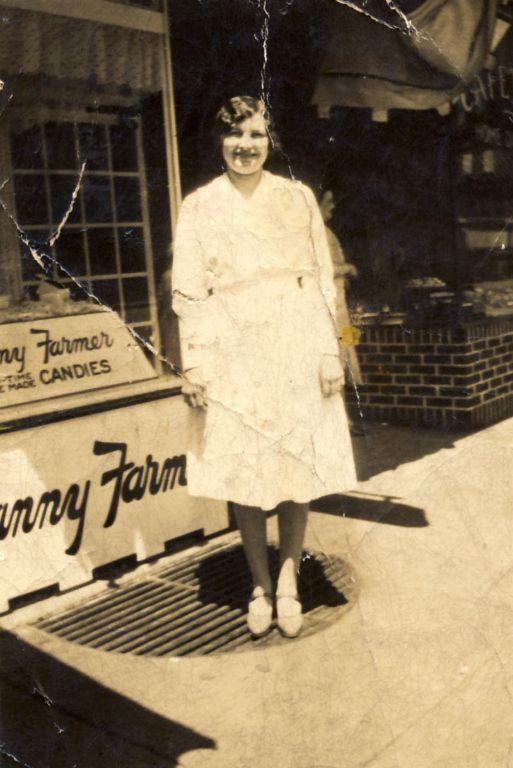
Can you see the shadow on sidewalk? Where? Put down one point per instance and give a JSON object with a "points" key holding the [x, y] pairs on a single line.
{"points": [[378, 509], [224, 577], [384, 447], [53, 715]]}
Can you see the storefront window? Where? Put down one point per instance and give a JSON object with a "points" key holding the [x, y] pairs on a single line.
{"points": [[89, 184], [485, 185], [104, 248]]}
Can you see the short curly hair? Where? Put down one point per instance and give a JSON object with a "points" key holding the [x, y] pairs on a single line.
{"points": [[237, 109]]}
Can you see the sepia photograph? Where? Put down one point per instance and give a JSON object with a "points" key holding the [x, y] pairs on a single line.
{"points": [[256, 383]]}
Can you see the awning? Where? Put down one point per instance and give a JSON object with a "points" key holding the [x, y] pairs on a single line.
{"points": [[75, 49], [419, 61]]}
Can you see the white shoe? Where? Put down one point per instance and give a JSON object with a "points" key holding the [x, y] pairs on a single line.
{"points": [[260, 612], [289, 615]]}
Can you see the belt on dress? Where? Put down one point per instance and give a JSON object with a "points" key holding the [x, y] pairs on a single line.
{"points": [[299, 277]]}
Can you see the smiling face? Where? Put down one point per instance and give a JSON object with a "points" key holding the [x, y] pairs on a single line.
{"points": [[246, 146]]}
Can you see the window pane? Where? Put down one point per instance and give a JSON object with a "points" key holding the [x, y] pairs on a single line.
{"points": [[27, 148], [108, 292], [97, 199], [77, 292], [128, 200], [102, 251], [93, 146], [131, 248], [30, 269], [146, 333], [135, 293], [60, 146], [124, 148], [30, 196], [61, 191], [70, 251]]}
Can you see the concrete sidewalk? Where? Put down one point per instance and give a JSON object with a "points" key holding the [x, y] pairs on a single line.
{"points": [[417, 673]]}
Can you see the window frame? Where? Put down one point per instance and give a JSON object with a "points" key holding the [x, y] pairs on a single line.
{"points": [[76, 118]]}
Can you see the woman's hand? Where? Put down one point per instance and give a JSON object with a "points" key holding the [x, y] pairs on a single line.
{"points": [[194, 390], [331, 375]]}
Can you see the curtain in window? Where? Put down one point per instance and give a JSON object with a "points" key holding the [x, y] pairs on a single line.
{"points": [[415, 60]]}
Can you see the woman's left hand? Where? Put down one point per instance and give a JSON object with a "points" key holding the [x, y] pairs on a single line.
{"points": [[331, 375]]}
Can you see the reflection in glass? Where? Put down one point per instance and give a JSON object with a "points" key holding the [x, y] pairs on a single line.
{"points": [[107, 291], [124, 148], [97, 199], [131, 248], [30, 198], [70, 251], [61, 151], [128, 199], [135, 293], [102, 250], [27, 148], [93, 146]]}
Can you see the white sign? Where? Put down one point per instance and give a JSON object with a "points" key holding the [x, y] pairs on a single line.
{"points": [[87, 491], [47, 358]]}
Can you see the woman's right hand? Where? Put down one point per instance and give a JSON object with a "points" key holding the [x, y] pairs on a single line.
{"points": [[331, 375], [194, 390]]}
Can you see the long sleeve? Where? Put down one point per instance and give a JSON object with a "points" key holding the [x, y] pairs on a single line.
{"points": [[190, 286], [325, 273]]}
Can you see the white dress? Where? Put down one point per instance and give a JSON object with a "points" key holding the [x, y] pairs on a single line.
{"points": [[253, 288]]}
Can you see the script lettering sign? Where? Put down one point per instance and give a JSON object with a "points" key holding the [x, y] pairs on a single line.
{"points": [[87, 491], [57, 356]]}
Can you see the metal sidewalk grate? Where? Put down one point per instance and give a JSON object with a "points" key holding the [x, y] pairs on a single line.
{"points": [[197, 606]]}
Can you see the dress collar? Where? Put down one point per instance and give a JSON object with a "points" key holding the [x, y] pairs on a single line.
{"points": [[257, 194]]}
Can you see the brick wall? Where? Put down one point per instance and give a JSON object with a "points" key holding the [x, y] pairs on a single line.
{"points": [[461, 377]]}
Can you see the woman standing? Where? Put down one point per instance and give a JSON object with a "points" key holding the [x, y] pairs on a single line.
{"points": [[342, 270], [253, 288]]}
